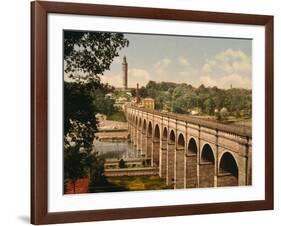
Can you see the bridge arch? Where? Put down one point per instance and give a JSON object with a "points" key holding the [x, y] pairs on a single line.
{"points": [[139, 133], [181, 141], [144, 126], [172, 137], [165, 134], [149, 132], [156, 136], [191, 164], [179, 160], [156, 145], [207, 154], [207, 167], [170, 178], [228, 170], [149, 141], [192, 146], [163, 153]]}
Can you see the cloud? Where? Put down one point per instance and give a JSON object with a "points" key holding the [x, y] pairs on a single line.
{"points": [[227, 63], [162, 65], [229, 67], [135, 75], [183, 61], [208, 81], [234, 80], [114, 79]]}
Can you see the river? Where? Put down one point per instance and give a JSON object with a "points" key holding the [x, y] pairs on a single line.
{"points": [[116, 149]]}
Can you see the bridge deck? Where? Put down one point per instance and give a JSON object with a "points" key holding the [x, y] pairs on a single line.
{"points": [[234, 129]]}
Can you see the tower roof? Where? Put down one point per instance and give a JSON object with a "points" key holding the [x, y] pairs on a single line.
{"points": [[124, 60]]}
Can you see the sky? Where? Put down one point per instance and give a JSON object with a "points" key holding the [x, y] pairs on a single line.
{"points": [[220, 62]]}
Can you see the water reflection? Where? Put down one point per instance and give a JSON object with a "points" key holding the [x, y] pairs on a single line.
{"points": [[116, 149]]}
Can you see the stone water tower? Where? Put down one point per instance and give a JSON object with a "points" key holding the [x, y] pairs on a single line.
{"points": [[125, 73]]}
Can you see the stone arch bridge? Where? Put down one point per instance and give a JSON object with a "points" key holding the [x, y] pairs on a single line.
{"points": [[191, 152]]}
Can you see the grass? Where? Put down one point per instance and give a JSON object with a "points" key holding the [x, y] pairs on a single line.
{"points": [[130, 183], [117, 116], [138, 183]]}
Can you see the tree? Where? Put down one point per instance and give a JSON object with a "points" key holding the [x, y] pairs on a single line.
{"points": [[202, 88], [179, 105], [122, 163], [223, 113], [133, 92], [209, 106], [151, 89], [103, 104], [79, 114], [74, 164], [97, 175], [183, 98], [88, 54]]}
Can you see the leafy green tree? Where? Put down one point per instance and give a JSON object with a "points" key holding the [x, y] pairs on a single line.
{"points": [[79, 114], [224, 113], [209, 106], [97, 175], [86, 56], [151, 89], [219, 99], [133, 92], [202, 88], [182, 98], [122, 163], [103, 104], [74, 164], [179, 105]]}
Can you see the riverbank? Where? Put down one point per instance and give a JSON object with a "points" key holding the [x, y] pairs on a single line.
{"points": [[110, 125], [112, 135]]}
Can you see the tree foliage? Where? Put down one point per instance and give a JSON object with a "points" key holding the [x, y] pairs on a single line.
{"points": [[183, 98], [86, 56], [121, 163], [74, 164], [79, 113]]}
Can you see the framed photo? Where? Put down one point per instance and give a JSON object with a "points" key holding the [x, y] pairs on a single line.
{"points": [[145, 112]]}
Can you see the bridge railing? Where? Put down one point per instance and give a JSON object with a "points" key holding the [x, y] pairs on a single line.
{"points": [[245, 131]]}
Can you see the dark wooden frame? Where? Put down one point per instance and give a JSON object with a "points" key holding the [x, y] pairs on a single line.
{"points": [[39, 107]]}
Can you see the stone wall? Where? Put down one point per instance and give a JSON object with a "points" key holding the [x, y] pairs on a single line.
{"points": [[206, 172], [131, 172], [227, 180], [191, 171], [170, 164], [179, 168]]}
